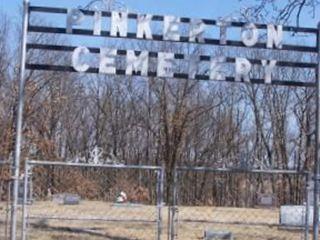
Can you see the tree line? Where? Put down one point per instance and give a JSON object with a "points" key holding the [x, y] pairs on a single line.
{"points": [[155, 121]]}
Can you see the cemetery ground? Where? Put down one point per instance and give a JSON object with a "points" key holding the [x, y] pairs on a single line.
{"points": [[124, 222]]}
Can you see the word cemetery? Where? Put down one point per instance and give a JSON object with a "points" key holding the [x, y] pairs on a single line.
{"points": [[138, 62]]}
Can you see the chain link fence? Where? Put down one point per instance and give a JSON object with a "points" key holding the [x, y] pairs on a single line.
{"points": [[83, 201], [231, 204], [120, 202]]}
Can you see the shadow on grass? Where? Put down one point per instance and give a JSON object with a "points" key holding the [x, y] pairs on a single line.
{"points": [[91, 232]]}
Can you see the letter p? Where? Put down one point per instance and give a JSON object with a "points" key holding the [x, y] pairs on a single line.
{"points": [[74, 18]]}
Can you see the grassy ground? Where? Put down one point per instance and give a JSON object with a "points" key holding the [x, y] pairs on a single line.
{"points": [[244, 223]]}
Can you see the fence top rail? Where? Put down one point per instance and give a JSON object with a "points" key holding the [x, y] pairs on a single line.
{"points": [[236, 170], [66, 164], [90, 219], [199, 169]]}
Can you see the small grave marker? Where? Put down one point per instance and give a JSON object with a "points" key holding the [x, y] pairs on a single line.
{"points": [[66, 199], [267, 200], [217, 235]]}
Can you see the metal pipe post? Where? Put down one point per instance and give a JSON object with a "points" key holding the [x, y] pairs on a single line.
{"points": [[25, 200], [317, 154], [160, 202], [173, 206], [17, 153], [30, 192], [307, 210]]}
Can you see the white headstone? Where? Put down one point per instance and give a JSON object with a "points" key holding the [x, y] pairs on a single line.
{"points": [[295, 216]]}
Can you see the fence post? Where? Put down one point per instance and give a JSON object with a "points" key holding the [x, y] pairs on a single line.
{"points": [[17, 153], [25, 201], [317, 153], [173, 207], [160, 181], [307, 210]]}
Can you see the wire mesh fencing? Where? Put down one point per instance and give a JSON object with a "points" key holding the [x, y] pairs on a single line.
{"points": [[227, 204], [83, 201]]}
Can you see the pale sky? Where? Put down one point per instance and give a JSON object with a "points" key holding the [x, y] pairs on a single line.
{"points": [[183, 8]]}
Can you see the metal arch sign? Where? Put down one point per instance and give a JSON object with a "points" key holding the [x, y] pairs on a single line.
{"points": [[138, 62]]}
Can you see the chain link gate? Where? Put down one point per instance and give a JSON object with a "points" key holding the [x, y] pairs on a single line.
{"points": [[99, 214], [243, 205]]}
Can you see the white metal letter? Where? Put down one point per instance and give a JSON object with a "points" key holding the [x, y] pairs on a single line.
{"points": [[196, 31], [97, 23], [74, 18], [144, 27], [274, 36], [165, 64], [268, 70], [171, 28], [193, 66], [223, 24], [77, 64], [137, 63], [108, 61], [249, 35], [216, 72], [119, 24], [243, 68]]}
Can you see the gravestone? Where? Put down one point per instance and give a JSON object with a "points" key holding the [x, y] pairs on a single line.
{"points": [[295, 216], [217, 235], [267, 200], [66, 199]]}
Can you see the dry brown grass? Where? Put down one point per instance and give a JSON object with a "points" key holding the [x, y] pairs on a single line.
{"points": [[245, 223]]}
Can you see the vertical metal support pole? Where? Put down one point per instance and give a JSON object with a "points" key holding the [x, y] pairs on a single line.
{"points": [[317, 155], [25, 200], [16, 164], [169, 223], [30, 191], [307, 210], [160, 202], [174, 207]]}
